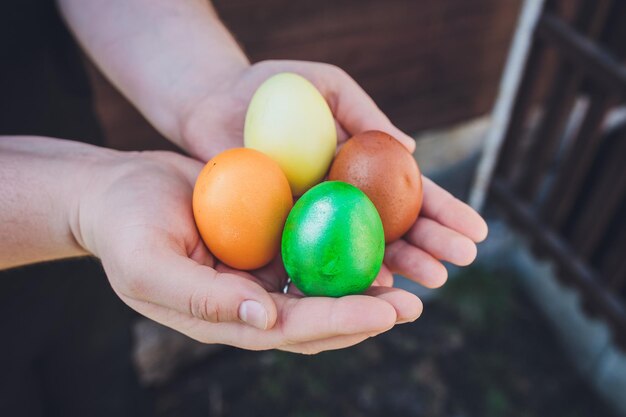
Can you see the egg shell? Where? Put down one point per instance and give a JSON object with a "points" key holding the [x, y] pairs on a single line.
{"points": [[333, 242], [289, 120], [382, 168], [240, 203]]}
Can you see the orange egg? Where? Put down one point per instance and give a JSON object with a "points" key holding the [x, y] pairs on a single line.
{"points": [[240, 203]]}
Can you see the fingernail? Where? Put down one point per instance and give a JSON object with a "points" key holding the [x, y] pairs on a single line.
{"points": [[253, 313]]}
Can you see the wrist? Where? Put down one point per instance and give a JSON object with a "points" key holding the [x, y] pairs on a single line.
{"points": [[43, 182], [96, 172]]}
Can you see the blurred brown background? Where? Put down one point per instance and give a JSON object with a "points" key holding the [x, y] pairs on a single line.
{"points": [[426, 63]]}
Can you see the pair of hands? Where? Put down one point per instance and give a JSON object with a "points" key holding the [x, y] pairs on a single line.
{"points": [[138, 220]]}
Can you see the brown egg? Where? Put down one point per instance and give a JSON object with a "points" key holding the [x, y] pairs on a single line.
{"points": [[387, 173]]}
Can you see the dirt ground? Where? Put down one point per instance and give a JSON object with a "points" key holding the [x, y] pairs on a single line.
{"points": [[481, 349]]}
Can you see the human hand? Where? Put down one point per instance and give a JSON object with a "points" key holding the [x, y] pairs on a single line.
{"points": [[135, 215], [446, 230]]}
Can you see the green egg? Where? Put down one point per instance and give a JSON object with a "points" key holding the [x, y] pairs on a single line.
{"points": [[333, 242]]}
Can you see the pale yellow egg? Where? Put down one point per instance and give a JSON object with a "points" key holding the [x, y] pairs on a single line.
{"points": [[289, 120]]}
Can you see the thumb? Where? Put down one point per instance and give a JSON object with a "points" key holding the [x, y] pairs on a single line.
{"points": [[176, 282]]}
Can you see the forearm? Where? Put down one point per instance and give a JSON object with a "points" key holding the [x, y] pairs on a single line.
{"points": [[163, 55], [41, 181]]}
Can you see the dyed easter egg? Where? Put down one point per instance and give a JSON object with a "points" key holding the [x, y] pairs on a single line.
{"points": [[240, 202], [333, 243], [289, 120]]}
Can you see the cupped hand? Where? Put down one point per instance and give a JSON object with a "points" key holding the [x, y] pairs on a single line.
{"points": [[446, 230], [136, 217]]}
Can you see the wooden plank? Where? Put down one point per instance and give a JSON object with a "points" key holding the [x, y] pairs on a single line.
{"points": [[614, 33], [289, 21], [544, 144], [392, 36], [511, 149], [546, 138], [603, 201], [591, 17], [584, 53], [612, 262], [577, 162]]}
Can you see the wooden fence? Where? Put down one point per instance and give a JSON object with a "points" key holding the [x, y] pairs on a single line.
{"points": [[561, 171]]}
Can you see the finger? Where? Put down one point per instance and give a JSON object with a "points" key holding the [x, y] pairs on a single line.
{"points": [[451, 212], [408, 308], [189, 167], [314, 318], [174, 281], [415, 264], [355, 109], [300, 322], [308, 318], [342, 135], [407, 305], [204, 332], [441, 242], [385, 277], [332, 343]]}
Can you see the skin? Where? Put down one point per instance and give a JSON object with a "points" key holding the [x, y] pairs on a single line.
{"points": [[182, 69]]}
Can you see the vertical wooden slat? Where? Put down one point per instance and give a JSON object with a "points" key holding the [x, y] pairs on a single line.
{"points": [[511, 146], [602, 203], [614, 33], [610, 256], [618, 280], [613, 264], [545, 141], [546, 138], [577, 162]]}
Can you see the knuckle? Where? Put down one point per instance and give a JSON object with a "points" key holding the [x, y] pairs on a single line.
{"points": [[392, 253], [336, 70], [202, 305]]}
